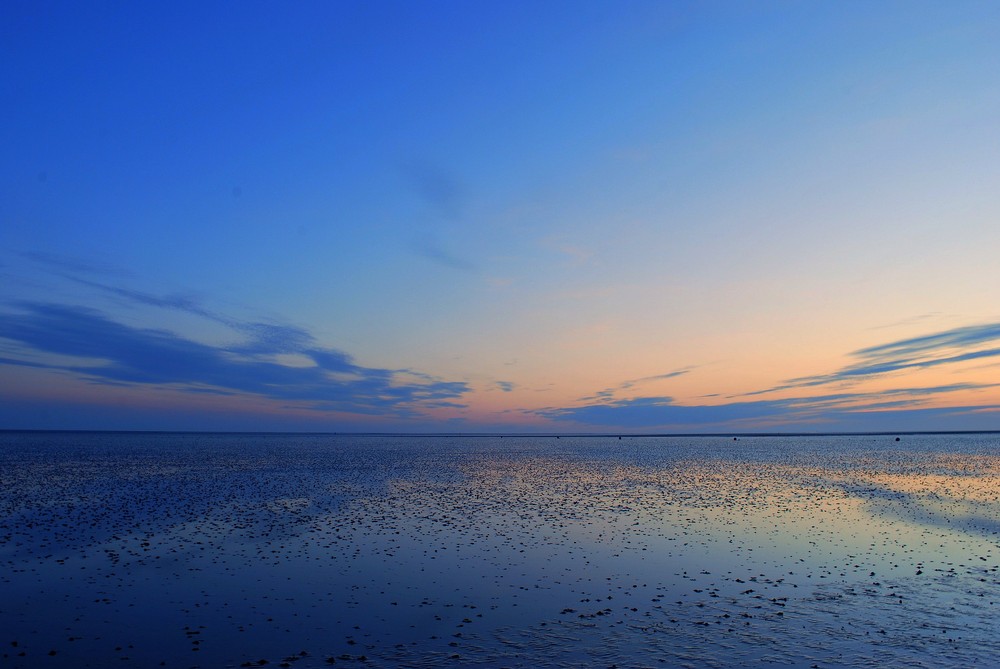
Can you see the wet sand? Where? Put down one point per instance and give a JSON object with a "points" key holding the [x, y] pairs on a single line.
{"points": [[308, 551]]}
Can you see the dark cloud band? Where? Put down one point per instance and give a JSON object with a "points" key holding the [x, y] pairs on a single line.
{"points": [[114, 353]]}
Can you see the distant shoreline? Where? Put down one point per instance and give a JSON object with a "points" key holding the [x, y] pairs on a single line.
{"points": [[573, 435]]}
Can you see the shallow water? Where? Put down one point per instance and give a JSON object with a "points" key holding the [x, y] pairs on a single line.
{"points": [[228, 550]]}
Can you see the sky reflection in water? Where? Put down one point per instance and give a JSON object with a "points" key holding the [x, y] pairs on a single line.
{"points": [[197, 550]]}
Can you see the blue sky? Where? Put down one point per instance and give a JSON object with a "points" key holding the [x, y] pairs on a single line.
{"points": [[558, 216]]}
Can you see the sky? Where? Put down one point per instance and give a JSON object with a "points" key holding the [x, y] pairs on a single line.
{"points": [[552, 217]]}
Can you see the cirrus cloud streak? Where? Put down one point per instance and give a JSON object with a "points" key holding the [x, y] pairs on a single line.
{"points": [[86, 343]]}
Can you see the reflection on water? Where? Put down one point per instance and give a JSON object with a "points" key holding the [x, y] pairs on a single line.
{"points": [[306, 551]]}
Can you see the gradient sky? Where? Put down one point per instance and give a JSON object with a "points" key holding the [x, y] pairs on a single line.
{"points": [[515, 216]]}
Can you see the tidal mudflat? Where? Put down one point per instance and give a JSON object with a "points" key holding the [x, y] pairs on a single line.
{"points": [[185, 550]]}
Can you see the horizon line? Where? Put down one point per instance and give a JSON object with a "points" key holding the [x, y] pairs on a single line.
{"points": [[884, 433]]}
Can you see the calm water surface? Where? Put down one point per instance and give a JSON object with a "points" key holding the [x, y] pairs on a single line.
{"points": [[183, 550]]}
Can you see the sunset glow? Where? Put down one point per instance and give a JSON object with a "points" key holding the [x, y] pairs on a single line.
{"points": [[501, 217]]}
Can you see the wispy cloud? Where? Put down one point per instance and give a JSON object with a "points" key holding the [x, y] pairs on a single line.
{"points": [[441, 190], [432, 248], [950, 339], [610, 393], [71, 265], [109, 352], [941, 348], [261, 338], [608, 407], [664, 412], [273, 360], [186, 303], [657, 377], [908, 321], [576, 254]]}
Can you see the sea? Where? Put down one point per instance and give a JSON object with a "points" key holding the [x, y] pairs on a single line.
{"points": [[316, 550]]}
